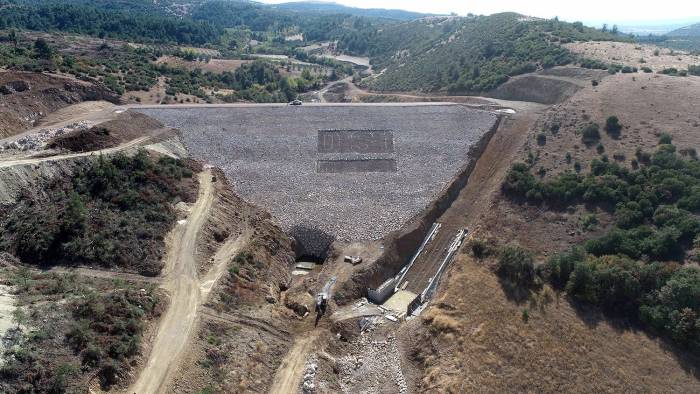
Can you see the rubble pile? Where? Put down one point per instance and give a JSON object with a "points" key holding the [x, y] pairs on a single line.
{"points": [[272, 155], [39, 139], [372, 366], [308, 385]]}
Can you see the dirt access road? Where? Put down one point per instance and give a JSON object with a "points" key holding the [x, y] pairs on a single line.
{"points": [[187, 292], [289, 374], [38, 160]]}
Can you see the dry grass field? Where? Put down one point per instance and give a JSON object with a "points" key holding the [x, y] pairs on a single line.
{"points": [[631, 54], [480, 343], [214, 65], [646, 104]]}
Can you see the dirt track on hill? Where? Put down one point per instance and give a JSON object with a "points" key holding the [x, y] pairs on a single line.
{"points": [[38, 160], [187, 292]]}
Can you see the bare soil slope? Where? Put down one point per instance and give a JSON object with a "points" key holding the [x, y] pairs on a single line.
{"points": [[242, 329], [26, 98], [125, 127]]}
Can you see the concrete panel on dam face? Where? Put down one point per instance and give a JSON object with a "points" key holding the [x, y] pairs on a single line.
{"points": [[398, 159], [355, 141]]}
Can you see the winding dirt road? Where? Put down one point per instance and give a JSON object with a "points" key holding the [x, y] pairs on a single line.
{"points": [[187, 292]]}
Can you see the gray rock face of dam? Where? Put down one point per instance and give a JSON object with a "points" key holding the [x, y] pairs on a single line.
{"points": [[347, 172]]}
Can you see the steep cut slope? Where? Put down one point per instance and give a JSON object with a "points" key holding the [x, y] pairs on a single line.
{"points": [[26, 98]]}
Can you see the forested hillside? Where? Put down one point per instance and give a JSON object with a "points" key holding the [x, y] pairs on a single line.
{"points": [[202, 23], [471, 54], [106, 21]]}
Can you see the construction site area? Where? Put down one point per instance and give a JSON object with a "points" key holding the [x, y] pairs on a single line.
{"points": [[314, 247]]}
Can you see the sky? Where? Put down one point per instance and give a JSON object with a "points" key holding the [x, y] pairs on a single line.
{"points": [[590, 11]]}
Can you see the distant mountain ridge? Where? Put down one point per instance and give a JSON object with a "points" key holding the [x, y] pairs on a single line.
{"points": [[323, 7], [688, 31]]}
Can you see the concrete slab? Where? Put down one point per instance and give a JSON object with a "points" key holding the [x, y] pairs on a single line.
{"points": [[399, 301], [304, 265]]}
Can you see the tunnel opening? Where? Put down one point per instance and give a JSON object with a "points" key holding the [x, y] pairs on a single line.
{"points": [[311, 244]]}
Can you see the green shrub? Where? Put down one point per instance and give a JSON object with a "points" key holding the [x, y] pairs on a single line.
{"points": [[559, 267], [675, 307], [541, 139], [590, 134], [517, 265], [588, 221], [690, 152], [665, 139], [674, 72], [480, 248], [694, 70], [652, 205], [519, 181], [76, 222], [613, 127], [619, 156]]}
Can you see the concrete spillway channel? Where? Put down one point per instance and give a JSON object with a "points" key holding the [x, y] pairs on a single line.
{"points": [[429, 291], [393, 293]]}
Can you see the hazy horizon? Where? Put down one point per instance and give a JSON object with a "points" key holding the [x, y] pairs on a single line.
{"points": [[591, 12]]}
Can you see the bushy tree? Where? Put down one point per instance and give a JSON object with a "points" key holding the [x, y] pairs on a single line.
{"points": [[613, 127], [590, 134], [517, 265], [43, 49], [558, 269], [675, 307]]}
